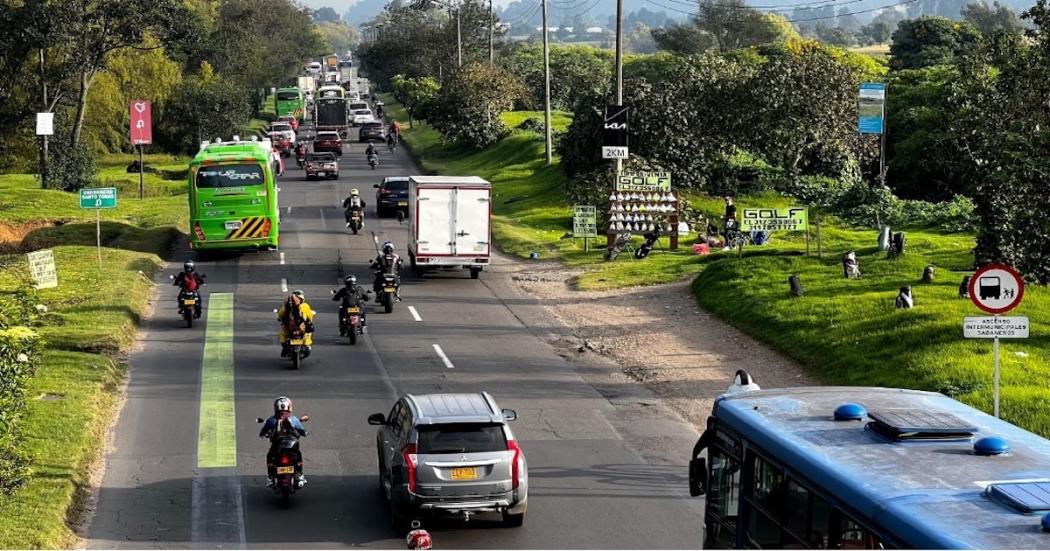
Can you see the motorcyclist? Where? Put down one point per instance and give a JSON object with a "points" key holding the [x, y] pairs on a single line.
{"points": [[371, 150], [354, 202], [278, 424], [189, 281], [379, 110], [395, 129], [300, 152], [294, 314], [351, 294], [387, 262]]}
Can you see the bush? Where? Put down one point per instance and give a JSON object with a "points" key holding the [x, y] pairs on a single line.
{"points": [[19, 348], [532, 124], [70, 166], [473, 99], [744, 174]]}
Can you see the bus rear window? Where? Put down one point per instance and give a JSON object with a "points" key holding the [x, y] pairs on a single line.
{"points": [[287, 96], [238, 175]]}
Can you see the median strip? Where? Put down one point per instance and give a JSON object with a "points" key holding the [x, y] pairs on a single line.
{"points": [[217, 426]]}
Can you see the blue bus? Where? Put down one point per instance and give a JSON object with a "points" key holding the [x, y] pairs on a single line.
{"points": [[867, 468]]}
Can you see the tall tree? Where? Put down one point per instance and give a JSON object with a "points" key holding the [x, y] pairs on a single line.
{"points": [[991, 19], [734, 25], [326, 15], [930, 41], [416, 94]]}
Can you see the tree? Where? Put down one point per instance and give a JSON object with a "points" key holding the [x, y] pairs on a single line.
{"points": [[326, 15], [882, 26], [991, 19], [203, 107], [473, 99], [102, 28], [930, 41], [1004, 132], [416, 94], [734, 25], [684, 38], [338, 36]]}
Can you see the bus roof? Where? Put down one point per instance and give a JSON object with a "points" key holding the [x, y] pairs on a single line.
{"points": [[929, 493], [228, 151]]}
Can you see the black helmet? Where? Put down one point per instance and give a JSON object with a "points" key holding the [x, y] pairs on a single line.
{"points": [[189, 266], [388, 247], [350, 281], [282, 403]]}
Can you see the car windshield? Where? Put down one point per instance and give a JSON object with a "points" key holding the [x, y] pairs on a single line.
{"points": [[461, 438], [398, 185], [321, 157], [237, 175], [359, 105]]}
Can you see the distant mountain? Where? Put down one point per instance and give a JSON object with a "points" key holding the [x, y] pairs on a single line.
{"points": [[364, 11]]}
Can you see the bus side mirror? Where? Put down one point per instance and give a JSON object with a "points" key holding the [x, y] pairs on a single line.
{"points": [[698, 476]]}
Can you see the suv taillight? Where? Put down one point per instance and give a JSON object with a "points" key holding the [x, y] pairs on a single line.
{"points": [[515, 469], [409, 453]]}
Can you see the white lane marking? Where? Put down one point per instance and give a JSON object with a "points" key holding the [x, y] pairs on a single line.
{"points": [[282, 259], [415, 315], [284, 285], [444, 358], [324, 222], [289, 211]]}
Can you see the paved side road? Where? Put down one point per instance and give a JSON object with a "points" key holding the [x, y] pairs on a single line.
{"points": [[607, 465]]}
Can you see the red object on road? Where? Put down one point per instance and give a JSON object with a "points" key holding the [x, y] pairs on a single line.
{"points": [[141, 117]]}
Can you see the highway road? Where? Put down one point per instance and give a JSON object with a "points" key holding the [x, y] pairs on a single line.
{"points": [[187, 469]]}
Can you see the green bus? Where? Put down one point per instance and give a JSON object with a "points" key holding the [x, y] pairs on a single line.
{"points": [[290, 101], [233, 196]]}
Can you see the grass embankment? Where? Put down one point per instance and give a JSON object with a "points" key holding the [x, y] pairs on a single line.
{"points": [[92, 321], [844, 331]]}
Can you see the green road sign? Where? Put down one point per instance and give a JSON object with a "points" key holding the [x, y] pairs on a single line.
{"points": [[98, 198]]}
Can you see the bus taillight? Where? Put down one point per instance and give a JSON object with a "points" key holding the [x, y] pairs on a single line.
{"points": [[266, 227], [197, 230]]}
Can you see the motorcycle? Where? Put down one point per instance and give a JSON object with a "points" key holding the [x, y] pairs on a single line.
{"points": [[351, 324], [297, 349], [300, 158], [373, 161], [288, 466], [188, 302], [356, 222], [389, 289]]}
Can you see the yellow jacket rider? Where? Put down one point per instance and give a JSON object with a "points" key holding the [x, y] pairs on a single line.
{"points": [[296, 315]]}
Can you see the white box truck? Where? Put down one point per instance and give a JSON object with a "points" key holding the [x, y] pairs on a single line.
{"points": [[449, 223]]}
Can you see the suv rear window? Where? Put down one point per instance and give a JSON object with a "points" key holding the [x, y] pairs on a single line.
{"points": [[327, 136], [373, 125], [461, 438], [396, 185], [321, 157]]}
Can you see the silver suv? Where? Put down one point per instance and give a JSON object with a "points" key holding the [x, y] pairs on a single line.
{"points": [[450, 455]]}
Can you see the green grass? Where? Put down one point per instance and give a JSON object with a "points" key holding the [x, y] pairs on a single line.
{"points": [[843, 331], [91, 323]]}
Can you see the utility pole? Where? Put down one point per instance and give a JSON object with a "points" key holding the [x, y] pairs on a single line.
{"points": [[43, 109], [492, 35], [619, 62], [547, 87], [459, 37]]}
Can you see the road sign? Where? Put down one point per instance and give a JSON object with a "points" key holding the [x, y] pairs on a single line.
{"points": [[584, 221], [872, 113], [45, 124], [614, 132], [42, 269], [629, 180], [991, 327], [98, 198], [996, 288], [789, 219], [141, 122]]}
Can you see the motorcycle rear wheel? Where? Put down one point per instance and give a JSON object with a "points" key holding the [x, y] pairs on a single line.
{"points": [[286, 496], [388, 302], [188, 316], [295, 359], [352, 334]]}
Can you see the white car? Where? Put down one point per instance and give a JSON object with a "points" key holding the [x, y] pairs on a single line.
{"points": [[284, 129], [362, 116], [353, 95], [314, 68]]}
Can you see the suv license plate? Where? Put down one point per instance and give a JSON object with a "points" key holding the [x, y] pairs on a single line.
{"points": [[285, 470], [321, 173], [402, 203], [464, 473]]}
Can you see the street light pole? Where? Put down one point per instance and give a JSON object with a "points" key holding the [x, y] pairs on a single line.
{"points": [[619, 61], [546, 87]]}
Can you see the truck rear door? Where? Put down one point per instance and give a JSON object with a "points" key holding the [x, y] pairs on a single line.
{"points": [[435, 210], [472, 222]]}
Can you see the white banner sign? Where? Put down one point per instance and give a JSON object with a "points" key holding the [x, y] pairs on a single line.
{"points": [[1004, 327], [42, 268], [45, 124]]}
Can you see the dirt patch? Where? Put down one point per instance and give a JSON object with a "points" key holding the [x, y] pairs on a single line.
{"points": [[658, 336], [11, 235]]}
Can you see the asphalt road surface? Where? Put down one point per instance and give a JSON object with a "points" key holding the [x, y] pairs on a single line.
{"points": [[187, 468]]}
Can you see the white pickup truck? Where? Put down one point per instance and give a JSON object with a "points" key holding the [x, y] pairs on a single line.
{"points": [[449, 221]]}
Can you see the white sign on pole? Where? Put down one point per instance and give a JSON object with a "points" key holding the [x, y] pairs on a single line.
{"points": [[45, 124], [42, 269], [990, 327], [614, 152]]}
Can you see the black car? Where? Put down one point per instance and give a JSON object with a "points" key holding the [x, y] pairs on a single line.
{"points": [[372, 132], [392, 195]]}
